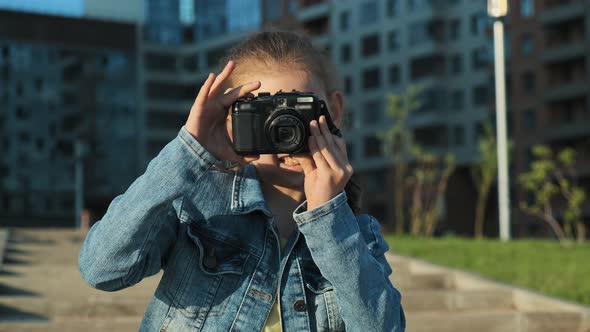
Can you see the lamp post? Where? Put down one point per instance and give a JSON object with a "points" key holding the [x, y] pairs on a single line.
{"points": [[78, 180], [498, 10]]}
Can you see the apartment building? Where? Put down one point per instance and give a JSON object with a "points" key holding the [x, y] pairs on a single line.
{"points": [[549, 85], [63, 79]]}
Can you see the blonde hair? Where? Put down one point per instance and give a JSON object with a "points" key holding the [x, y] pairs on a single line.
{"points": [[276, 49]]}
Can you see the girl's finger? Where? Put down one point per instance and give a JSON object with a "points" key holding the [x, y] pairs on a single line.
{"points": [[231, 96], [341, 145], [204, 91], [323, 146], [227, 70], [326, 131], [306, 163], [317, 156]]}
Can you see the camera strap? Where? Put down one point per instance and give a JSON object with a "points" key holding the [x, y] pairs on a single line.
{"points": [[324, 111]]}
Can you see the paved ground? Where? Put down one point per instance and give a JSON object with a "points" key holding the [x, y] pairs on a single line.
{"points": [[41, 290]]}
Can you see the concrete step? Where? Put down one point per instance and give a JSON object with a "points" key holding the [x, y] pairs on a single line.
{"points": [[456, 300], [92, 307], [493, 321], [75, 325], [49, 281], [423, 281]]}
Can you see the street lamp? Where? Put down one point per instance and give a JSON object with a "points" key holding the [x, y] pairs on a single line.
{"points": [[498, 10]]}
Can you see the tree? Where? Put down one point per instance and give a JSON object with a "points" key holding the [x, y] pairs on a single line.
{"points": [[398, 144], [484, 174], [551, 179], [429, 182]]}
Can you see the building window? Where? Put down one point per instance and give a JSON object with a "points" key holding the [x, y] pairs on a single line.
{"points": [[530, 119], [345, 53], [348, 85], [273, 10], [6, 144], [214, 55], [349, 120], [40, 144], [376, 183], [350, 150], [392, 40], [344, 21], [24, 137], [455, 29], [457, 101], [480, 95], [371, 78], [372, 147], [394, 74], [432, 100], [479, 58], [416, 5], [19, 89], [370, 45], [369, 12], [425, 31], [458, 135], [527, 8], [528, 82], [38, 85], [527, 45], [392, 9], [372, 112], [457, 64], [478, 24], [22, 113]]}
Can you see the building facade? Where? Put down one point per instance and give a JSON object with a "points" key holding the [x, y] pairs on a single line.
{"points": [[57, 89], [549, 89]]}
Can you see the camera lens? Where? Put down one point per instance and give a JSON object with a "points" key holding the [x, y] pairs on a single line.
{"points": [[287, 133]]}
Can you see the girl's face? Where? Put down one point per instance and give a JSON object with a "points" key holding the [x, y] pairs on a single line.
{"points": [[281, 169]]}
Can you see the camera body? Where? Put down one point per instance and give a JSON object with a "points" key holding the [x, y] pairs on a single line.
{"points": [[279, 123]]}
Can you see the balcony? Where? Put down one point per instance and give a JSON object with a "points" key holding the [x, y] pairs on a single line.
{"points": [[562, 12], [566, 91], [564, 52], [311, 10], [567, 130]]}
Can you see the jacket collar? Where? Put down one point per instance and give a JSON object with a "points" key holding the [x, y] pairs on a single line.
{"points": [[247, 194]]}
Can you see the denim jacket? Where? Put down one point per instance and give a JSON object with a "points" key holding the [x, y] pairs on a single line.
{"points": [[217, 242]]}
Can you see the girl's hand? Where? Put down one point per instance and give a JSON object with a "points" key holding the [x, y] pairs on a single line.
{"points": [[326, 169], [208, 120]]}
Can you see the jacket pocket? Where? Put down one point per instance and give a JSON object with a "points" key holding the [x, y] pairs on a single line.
{"points": [[324, 311], [217, 256], [218, 275]]}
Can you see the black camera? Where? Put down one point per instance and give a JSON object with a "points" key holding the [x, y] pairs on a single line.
{"points": [[279, 123]]}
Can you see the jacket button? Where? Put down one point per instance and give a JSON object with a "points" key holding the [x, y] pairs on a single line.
{"points": [[299, 305], [210, 262]]}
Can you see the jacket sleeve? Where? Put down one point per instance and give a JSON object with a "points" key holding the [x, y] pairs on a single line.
{"points": [[132, 239], [353, 260]]}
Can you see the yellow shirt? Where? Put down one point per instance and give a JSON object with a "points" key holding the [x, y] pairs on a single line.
{"points": [[273, 323]]}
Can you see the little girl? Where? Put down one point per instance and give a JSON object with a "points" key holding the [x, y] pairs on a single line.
{"points": [[274, 245]]}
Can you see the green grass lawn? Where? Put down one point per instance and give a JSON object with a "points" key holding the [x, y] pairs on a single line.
{"points": [[541, 265]]}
